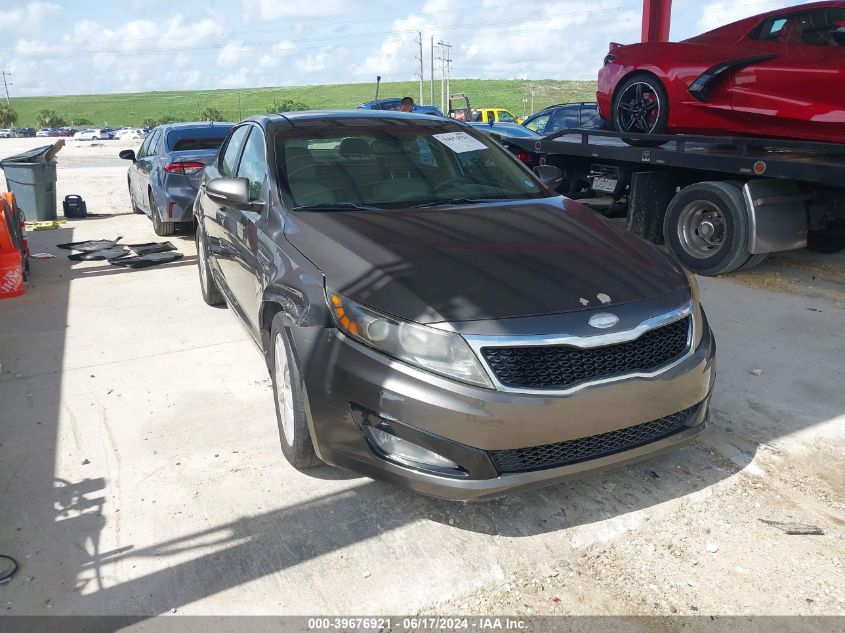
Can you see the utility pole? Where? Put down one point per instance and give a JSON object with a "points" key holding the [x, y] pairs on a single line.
{"points": [[6, 86], [446, 60], [432, 71], [419, 41]]}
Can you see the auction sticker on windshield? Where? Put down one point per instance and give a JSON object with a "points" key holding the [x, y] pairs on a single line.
{"points": [[460, 142]]}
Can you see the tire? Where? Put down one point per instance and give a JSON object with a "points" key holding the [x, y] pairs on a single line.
{"points": [[134, 206], [752, 261], [160, 228], [641, 105], [95, 138], [208, 286], [706, 227], [294, 435]]}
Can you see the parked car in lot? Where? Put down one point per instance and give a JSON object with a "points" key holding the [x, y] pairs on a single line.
{"points": [[24, 132], [93, 134], [6, 133], [392, 104], [504, 132], [66, 132], [167, 170], [433, 314], [500, 115], [584, 116], [129, 134], [778, 74], [45, 131]]}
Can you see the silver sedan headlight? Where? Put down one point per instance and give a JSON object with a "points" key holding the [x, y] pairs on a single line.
{"points": [[444, 353]]}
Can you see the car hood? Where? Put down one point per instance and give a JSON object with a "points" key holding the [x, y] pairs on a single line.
{"points": [[510, 259]]}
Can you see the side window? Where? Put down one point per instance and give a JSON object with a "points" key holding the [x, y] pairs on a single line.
{"points": [[539, 123], [231, 150], [590, 119], [823, 27], [148, 143], [770, 29], [565, 118], [253, 164], [506, 117]]}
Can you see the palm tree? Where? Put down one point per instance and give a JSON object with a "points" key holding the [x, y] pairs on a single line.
{"points": [[8, 117], [49, 118]]}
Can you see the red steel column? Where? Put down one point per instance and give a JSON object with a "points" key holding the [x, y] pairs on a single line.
{"points": [[657, 16]]}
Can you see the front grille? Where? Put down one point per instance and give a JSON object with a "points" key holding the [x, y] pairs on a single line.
{"points": [[560, 366], [520, 460]]}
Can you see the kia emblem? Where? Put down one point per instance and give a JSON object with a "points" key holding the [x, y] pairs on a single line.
{"points": [[604, 320]]}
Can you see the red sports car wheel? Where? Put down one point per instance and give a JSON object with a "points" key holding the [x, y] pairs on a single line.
{"points": [[640, 105]]}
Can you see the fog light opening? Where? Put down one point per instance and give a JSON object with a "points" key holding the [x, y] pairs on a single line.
{"points": [[405, 452]]}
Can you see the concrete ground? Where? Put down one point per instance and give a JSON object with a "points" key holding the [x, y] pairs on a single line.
{"points": [[140, 469]]}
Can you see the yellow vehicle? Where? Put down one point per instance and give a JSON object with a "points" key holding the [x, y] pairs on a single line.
{"points": [[501, 115]]}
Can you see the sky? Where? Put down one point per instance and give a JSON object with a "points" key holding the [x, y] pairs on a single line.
{"points": [[57, 47]]}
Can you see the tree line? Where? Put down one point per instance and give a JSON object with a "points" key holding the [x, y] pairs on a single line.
{"points": [[52, 119]]}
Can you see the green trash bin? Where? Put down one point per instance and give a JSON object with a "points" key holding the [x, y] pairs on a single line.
{"points": [[34, 186]]}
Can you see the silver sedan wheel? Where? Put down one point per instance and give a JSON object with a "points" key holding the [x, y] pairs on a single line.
{"points": [[284, 393], [203, 261]]}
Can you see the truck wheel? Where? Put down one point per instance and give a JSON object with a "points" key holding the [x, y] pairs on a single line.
{"points": [[706, 227], [753, 260]]}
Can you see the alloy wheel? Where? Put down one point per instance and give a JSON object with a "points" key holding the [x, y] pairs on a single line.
{"points": [[284, 392], [638, 108]]}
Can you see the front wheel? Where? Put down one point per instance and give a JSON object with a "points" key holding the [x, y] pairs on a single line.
{"points": [[641, 105], [290, 409]]}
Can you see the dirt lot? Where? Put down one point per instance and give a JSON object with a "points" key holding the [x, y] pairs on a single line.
{"points": [[140, 469]]}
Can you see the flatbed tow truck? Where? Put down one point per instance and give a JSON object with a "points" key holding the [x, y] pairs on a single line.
{"points": [[720, 204]]}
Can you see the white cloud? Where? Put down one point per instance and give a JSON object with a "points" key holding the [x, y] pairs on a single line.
{"points": [[30, 16], [269, 10], [231, 54], [279, 51]]}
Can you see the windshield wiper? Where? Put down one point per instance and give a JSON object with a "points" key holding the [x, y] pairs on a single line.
{"points": [[337, 206], [442, 202]]}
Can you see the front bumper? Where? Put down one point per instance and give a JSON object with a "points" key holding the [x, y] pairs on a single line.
{"points": [[468, 424]]}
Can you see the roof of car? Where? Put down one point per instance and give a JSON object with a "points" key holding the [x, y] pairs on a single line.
{"points": [[310, 115], [176, 126]]}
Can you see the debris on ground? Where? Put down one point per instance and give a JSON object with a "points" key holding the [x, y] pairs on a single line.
{"points": [[795, 529], [756, 372]]}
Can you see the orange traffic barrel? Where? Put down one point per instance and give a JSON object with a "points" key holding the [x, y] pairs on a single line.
{"points": [[11, 256]]}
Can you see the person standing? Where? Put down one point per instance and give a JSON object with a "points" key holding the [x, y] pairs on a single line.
{"points": [[406, 105]]}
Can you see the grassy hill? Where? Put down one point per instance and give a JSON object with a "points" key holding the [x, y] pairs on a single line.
{"points": [[132, 108]]}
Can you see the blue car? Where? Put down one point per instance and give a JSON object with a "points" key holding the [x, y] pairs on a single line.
{"points": [[581, 116], [393, 103], [166, 172]]}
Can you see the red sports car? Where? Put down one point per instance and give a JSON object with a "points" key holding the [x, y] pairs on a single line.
{"points": [[779, 74]]}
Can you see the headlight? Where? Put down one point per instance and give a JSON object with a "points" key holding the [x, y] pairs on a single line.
{"points": [[444, 353]]}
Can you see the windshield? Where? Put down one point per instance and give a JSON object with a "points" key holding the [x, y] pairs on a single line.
{"points": [[196, 138], [394, 163]]}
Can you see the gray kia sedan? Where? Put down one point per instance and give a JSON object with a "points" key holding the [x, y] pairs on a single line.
{"points": [[433, 314], [167, 170]]}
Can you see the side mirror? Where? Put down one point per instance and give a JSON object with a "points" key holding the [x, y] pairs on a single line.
{"points": [[234, 192], [127, 154], [549, 175]]}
